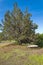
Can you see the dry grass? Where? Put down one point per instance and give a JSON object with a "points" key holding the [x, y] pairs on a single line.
{"points": [[20, 55]]}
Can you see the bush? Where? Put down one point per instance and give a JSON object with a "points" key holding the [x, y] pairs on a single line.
{"points": [[40, 40]]}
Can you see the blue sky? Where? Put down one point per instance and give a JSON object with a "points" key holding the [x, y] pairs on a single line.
{"points": [[35, 7]]}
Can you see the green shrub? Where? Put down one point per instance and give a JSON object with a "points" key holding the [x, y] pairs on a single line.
{"points": [[40, 40]]}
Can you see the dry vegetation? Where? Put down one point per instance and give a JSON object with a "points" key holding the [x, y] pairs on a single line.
{"points": [[20, 55]]}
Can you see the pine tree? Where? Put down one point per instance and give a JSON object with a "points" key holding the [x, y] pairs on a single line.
{"points": [[19, 26]]}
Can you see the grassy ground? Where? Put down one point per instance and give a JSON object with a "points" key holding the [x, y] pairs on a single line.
{"points": [[20, 55]]}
